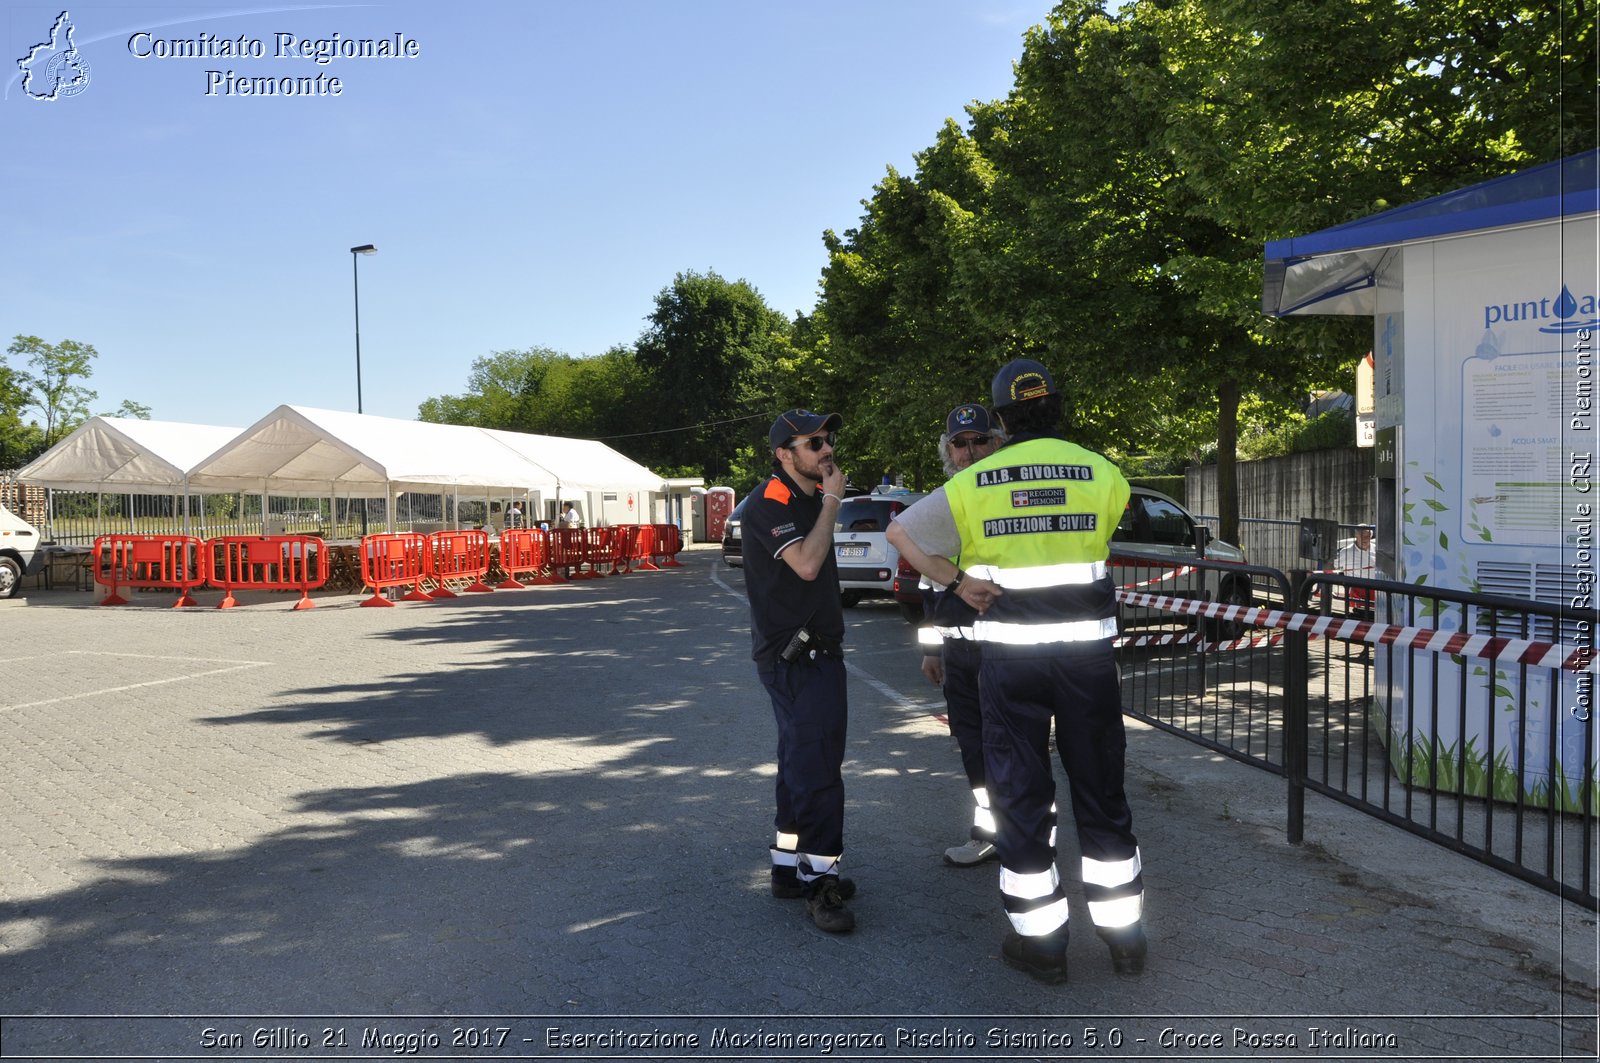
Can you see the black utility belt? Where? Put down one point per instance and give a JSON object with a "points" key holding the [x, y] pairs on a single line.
{"points": [[807, 643]]}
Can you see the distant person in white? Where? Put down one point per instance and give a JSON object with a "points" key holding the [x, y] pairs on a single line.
{"points": [[1357, 557], [570, 518]]}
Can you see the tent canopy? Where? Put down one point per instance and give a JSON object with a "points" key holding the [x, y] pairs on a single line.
{"points": [[1333, 271], [298, 449], [115, 454], [580, 464]]}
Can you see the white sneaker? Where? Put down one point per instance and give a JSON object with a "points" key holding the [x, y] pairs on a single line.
{"points": [[971, 854]]}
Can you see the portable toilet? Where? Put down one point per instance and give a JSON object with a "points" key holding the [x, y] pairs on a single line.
{"points": [[719, 507]]}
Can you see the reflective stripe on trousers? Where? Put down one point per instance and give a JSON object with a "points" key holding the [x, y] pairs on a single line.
{"points": [[1035, 903]]}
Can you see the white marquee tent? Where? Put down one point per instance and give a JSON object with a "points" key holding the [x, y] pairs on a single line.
{"points": [[300, 450], [580, 464], [119, 454]]}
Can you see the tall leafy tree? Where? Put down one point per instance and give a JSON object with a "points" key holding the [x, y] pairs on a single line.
{"points": [[902, 339], [712, 350], [52, 384], [19, 440]]}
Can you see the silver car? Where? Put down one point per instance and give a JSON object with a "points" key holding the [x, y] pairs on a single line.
{"points": [[1157, 523], [867, 563]]}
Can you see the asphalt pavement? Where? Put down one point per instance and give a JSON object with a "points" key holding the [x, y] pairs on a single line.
{"points": [[533, 824]]}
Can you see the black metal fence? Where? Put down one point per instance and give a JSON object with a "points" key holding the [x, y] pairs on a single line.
{"points": [[1272, 543], [1464, 718]]}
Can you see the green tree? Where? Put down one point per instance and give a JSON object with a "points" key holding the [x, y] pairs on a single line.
{"points": [[136, 411], [52, 387], [902, 340], [712, 352], [19, 439]]}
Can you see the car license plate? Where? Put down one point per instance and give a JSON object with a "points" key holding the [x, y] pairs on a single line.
{"points": [[853, 550]]}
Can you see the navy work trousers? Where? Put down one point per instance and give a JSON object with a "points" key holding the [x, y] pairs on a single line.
{"points": [[808, 703], [1079, 691], [961, 702]]}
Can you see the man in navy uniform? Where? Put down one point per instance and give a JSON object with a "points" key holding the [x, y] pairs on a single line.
{"points": [[949, 654], [797, 634], [1031, 525]]}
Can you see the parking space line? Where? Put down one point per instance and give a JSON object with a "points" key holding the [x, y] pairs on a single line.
{"points": [[232, 667]]}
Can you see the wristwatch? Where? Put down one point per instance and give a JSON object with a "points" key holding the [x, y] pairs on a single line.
{"points": [[953, 584]]}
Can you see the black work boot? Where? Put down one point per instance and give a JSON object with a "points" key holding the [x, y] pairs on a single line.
{"points": [[1043, 958], [786, 884], [825, 905], [1128, 947]]}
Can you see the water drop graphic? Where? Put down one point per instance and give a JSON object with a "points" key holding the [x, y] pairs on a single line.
{"points": [[1566, 305]]}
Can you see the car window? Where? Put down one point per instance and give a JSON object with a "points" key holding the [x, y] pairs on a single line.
{"points": [[1169, 525], [1134, 527], [866, 514]]}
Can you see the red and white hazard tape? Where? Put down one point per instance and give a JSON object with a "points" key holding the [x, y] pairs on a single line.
{"points": [[1169, 574], [1169, 639], [1247, 643], [1481, 646]]}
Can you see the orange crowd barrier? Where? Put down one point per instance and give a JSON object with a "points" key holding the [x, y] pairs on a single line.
{"points": [[644, 548], [622, 539], [177, 562], [566, 552], [267, 563], [458, 555], [394, 561], [524, 552], [590, 552], [669, 540]]}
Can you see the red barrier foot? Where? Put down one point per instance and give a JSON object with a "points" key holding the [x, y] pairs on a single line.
{"points": [[418, 595], [184, 599], [228, 602], [378, 599], [114, 599], [478, 587], [510, 585], [305, 602]]}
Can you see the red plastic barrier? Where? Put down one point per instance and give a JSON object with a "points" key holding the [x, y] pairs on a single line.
{"points": [[596, 551], [525, 552], [268, 563], [567, 546], [669, 540], [624, 537], [458, 555], [175, 561], [394, 561], [644, 548]]}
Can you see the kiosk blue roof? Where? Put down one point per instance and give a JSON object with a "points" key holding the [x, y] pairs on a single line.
{"points": [[1332, 271]]}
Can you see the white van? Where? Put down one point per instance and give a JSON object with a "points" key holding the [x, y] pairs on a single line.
{"points": [[20, 552]]}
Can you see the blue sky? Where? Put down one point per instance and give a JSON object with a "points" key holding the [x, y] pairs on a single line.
{"points": [[533, 177]]}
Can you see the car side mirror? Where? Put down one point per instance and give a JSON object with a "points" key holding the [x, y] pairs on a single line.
{"points": [[1202, 539]]}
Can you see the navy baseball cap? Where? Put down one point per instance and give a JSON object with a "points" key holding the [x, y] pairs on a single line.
{"points": [[968, 417], [801, 423], [1021, 380]]}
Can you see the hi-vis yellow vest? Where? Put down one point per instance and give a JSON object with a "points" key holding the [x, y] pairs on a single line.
{"points": [[1036, 517]]}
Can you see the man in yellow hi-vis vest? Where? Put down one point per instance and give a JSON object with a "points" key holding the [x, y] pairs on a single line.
{"points": [[1031, 526]]}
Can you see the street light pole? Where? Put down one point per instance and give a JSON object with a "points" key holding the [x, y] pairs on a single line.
{"points": [[355, 275]]}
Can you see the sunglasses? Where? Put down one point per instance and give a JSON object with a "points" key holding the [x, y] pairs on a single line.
{"points": [[972, 441], [816, 443]]}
